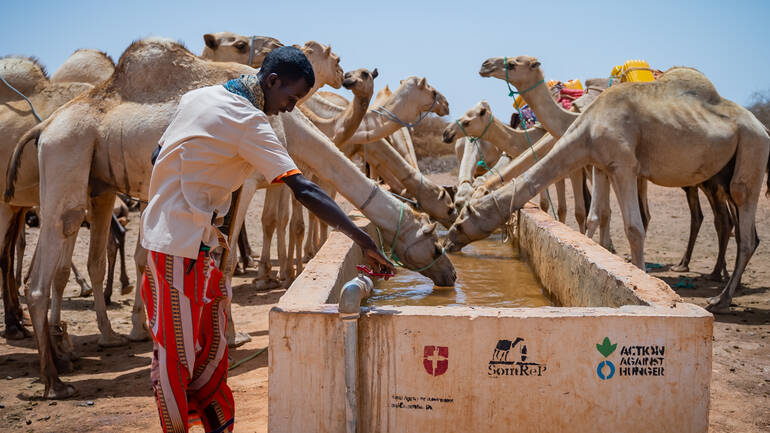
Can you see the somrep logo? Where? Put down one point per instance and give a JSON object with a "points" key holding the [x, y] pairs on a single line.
{"points": [[503, 363]]}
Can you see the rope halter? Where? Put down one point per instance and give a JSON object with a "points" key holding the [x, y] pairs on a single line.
{"points": [[382, 111]]}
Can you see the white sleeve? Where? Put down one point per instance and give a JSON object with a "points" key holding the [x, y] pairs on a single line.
{"points": [[262, 149]]}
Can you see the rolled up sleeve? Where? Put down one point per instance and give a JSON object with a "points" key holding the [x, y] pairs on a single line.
{"points": [[262, 149]]}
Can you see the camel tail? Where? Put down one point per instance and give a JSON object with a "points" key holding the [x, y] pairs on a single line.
{"points": [[15, 162]]}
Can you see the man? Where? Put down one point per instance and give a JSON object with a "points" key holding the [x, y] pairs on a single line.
{"points": [[218, 136]]}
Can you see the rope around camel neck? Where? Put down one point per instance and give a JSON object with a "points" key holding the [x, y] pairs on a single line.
{"points": [[512, 93], [392, 254], [382, 111], [475, 141]]}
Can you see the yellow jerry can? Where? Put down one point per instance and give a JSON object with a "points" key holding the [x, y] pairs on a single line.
{"points": [[637, 71], [573, 84]]}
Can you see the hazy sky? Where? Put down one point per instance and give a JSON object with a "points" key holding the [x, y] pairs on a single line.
{"points": [[444, 41]]}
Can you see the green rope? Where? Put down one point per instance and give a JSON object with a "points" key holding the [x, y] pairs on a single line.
{"points": [[512, 94], [392, 254], [475, 140], [248, 358]]}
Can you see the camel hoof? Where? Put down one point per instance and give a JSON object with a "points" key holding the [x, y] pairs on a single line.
{"points": [[718, 305], [86, 292], [59, 391], [17, 333], [717, 276], [139, 334], [238, 340], [128, 288], [680, 268], [112, 340]]}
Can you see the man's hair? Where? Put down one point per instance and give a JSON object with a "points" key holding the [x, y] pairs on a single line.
{"points": [[289, 63]]}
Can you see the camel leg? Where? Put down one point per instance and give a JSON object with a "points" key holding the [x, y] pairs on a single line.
{"points": [[270, 213], [63, 349], [751, 162], [722, 223], [112, 257], [284, 264], [100, 215], [244, 247], [139, 331], [696, 219], [544, 201], [561, 200], [311, 229], [125, 283], [599, 213], [641, 187], [624, 182], [296, 233], [85, 289], [21, 245], [11, 224], [577, 180]]}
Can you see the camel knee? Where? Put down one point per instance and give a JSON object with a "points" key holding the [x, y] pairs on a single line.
{"points": [[71, 221]]}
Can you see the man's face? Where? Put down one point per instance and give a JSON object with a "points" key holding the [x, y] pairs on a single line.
{"points": [[281, 96]]}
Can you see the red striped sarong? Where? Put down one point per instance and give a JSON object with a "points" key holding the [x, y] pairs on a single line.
{"points": [[186, 304]]}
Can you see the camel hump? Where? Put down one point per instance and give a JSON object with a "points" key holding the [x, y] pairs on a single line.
{"points": [[85, 66], [13, 165], [691, 82], [25, 74]]}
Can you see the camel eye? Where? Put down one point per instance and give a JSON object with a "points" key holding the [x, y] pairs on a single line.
{"points": [[466, 122], [240, 45]]}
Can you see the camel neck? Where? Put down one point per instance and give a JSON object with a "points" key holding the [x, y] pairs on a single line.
{"points": [[548, 112], [349, 120]]}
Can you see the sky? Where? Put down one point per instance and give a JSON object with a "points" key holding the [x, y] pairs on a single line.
{"points": [[446, 42]]}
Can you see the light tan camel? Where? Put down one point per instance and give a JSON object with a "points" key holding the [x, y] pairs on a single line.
{"points": [[524, 72], [16, 118], [675, 131], [94, 130], [85, 66], [231, 47]]}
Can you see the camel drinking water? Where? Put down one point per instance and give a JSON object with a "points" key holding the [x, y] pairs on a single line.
{"points": [[676, 131]]}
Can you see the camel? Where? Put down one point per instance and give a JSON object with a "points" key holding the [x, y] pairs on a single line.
{"points": [[85, 66], [16, 117], [93, 131], [676, 131], [231, 47], [524, 73]]}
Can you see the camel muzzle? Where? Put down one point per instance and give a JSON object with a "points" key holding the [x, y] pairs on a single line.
{"points": [[448, 136]]}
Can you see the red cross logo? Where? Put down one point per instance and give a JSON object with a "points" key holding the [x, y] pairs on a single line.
{"points": [[436, 360]]}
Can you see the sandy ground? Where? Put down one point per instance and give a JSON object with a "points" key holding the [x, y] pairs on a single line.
{"points": [[115, 393]]}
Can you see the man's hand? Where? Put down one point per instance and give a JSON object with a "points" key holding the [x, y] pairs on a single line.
{"points": [[378, 262]]}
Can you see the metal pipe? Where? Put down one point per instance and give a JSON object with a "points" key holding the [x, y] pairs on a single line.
{"points": [[353, 292]]}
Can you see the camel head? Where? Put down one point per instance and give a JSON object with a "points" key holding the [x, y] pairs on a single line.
{"points": [[418, 93], [472, 224], [381, 97], [523, 71], [23, 73], [326, 64], [474, 122], [231, 47], [360, 82], [418, 246], [85, 66]]}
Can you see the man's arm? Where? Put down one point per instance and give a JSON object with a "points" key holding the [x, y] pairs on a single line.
{"points": [[317, 201]]}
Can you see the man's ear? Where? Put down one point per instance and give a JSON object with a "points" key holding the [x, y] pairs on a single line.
{"points": [[272, 80]]}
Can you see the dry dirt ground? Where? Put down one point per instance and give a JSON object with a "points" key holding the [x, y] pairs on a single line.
{"points": [[115, 393]]}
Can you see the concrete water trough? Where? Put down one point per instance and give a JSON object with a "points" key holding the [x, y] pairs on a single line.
{"points": [[620, 353]]}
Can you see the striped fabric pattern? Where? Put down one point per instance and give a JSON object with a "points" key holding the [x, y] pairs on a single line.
{"points": [[186, 313]]}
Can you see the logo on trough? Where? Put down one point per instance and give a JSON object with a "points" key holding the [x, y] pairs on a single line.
{"points": [[503, 363], [606, 369], [435, 359]]}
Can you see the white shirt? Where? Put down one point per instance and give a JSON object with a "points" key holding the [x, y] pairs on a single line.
{"points": [[213, 143]]}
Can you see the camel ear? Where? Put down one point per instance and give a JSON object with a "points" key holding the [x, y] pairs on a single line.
{"points": [[442, 192], [421, 83], [534, 65], [375, 73], [426, 230], [473, 211], [327, 50], [211, 41]]}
